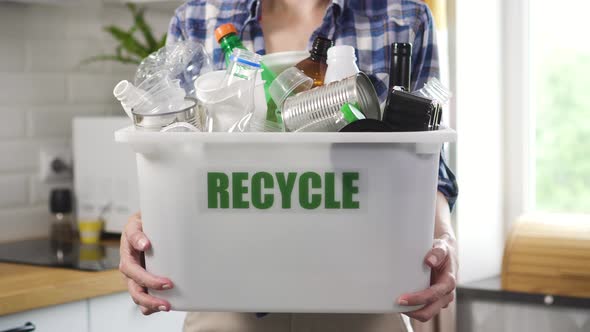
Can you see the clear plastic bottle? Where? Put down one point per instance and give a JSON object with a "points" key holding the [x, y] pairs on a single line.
{"points": [[227, 37], [129, 96], [341, 63], [315, 65], [239, 84], [243, 66]]}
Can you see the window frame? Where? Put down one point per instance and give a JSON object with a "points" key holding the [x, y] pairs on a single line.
{"points": [[518, 120]]}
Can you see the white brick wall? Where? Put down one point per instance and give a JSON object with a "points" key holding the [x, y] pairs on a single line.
{"points": [[42, 87]]}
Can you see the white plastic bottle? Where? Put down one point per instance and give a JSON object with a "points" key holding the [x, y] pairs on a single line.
{"points": [[341, 63], [129, 95]]}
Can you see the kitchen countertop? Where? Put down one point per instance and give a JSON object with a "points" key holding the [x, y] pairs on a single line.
{"points": [[26, 287], [491, 289]]}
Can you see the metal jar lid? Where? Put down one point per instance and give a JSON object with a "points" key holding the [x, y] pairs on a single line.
{"points": [[157, 121]]}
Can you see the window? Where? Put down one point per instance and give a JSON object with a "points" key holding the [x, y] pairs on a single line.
{"points": [[560, 103]]}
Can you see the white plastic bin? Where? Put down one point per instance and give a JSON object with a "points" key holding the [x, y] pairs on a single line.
{"points": [[230, 241]]}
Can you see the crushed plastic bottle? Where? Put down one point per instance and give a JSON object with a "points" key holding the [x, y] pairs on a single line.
{"points": [[184, 60]]}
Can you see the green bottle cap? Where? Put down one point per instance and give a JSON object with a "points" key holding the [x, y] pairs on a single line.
{"points": [[351, 112]]}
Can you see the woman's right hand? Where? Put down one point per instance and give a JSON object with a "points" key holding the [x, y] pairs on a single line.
{"points": [[133, 243]]}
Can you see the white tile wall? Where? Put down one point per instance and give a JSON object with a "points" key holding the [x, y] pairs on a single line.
{"points": [[24, 222], [13, 122], [14, 191], [42, 87]]}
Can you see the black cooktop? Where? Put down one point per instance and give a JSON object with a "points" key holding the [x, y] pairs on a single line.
{"points": [[73, 255]]}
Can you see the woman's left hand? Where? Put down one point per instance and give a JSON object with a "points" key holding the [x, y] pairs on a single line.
{"points": [[442, 258]]}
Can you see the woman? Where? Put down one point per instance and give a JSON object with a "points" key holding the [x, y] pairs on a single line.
{"points": [[269, 26]]}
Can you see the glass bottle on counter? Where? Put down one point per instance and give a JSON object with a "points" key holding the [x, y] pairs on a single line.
{"points": [[62, 223], [315, 65]]}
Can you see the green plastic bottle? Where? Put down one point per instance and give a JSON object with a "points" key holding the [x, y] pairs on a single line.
{"points": [[227, 37]]}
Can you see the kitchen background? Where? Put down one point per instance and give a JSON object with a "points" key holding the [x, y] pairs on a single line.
{"points": [[43, 86]]}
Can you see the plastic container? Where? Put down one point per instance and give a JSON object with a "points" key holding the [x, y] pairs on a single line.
{"points": [[356, 251], [341, 63], [226, 106], [287, 83], [435, 90], [339, 260]]}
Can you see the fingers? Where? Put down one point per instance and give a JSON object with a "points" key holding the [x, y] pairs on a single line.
{"points": [[134, 235], [427, 313], [130, 264], [445, 285], [147, 303], [438, 254], [132, 270]]}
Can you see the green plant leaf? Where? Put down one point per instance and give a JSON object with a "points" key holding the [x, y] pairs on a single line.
{"points": [[130, 49], [162, 41], [128, 42], [140, 23]]}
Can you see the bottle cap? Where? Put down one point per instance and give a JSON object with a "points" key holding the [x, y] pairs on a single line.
{"points": [[224, 30], [351, 113], [60, 201], [401, 49], [341, 51], [320, 46]]}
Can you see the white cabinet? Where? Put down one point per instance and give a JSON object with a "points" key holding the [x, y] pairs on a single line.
{"points": [[106, 313], [493, 316], [119, 313], [70, 317]]}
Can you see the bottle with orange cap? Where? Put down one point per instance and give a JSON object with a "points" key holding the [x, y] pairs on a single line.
{"points": [[227, 37]]}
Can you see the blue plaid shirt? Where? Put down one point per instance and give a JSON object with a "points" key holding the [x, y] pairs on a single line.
{"points": [[369, 26]]}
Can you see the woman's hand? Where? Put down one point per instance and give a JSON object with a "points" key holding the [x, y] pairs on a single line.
{"points": [[442, 258], [133, 244]]}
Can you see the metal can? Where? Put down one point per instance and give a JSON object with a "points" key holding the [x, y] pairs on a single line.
{"points": [[324, 103]]}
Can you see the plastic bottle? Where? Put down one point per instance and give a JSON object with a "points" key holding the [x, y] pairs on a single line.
{"points": [[341, 63], [227, 37], [129, 96], [315, 65], [401, 66], [243, 65]]}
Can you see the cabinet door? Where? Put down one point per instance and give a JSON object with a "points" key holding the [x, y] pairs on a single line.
{"points": [[119, 313], [70, 317]]}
